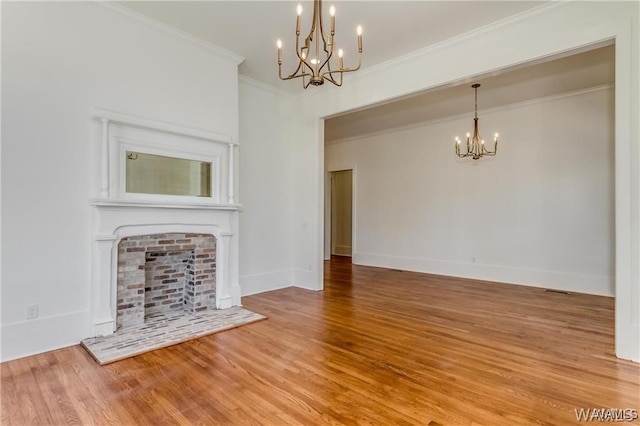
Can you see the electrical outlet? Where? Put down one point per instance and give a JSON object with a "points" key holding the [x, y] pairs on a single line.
{"points": [[32, 311]]}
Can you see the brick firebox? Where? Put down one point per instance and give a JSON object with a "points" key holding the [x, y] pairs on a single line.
{"points": [[161, 273]]}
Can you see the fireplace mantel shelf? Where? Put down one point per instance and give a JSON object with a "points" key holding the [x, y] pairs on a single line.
{"points": [[123, 202]]}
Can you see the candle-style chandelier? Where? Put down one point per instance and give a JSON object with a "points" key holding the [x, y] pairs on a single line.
{"points": [[316, 56], [476, 148]]}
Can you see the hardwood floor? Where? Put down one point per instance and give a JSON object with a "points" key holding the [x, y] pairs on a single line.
{"points": [[377, 346]]}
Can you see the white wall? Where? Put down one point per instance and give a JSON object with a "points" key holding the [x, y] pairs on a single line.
{"points": [[266, 187], [58, 61], [539, 213], [567, 26]]}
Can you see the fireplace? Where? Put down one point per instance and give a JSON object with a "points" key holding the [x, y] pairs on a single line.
{"points": [[164, 273], [158, 253]]}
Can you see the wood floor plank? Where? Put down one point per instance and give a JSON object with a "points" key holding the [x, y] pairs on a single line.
{"points": [[376, 347]]}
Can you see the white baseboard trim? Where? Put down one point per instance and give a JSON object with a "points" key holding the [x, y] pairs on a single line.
{"points": [[25, 338], [306, 279], [580, 283], [628, 343], [266, 281]]}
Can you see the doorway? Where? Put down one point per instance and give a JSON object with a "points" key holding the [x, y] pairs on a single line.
{"points": [[341, 213]]}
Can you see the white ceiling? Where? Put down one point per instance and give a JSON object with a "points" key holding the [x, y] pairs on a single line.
{"points": [[391, 28]]}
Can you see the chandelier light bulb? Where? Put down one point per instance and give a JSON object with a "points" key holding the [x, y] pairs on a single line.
{"points": [[299, 9], [314, 61], [359, 30], [496, 136], [332, 11], [468, 135], [279, 43], [340, 53]]}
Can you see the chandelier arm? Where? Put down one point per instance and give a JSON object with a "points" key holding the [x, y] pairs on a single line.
{"points": [[352, 69], [303, 62], [495, 150], [343, 70], [332, 80], [326, 62], [293, 74]]}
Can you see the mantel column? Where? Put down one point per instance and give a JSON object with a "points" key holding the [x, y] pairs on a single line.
{"points": [[223, 276], [104, 312], [231, 189], [104, 161]]}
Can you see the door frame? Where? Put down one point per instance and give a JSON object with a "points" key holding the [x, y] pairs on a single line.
{"points": [[328, 207]]}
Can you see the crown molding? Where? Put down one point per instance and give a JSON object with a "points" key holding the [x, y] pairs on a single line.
{"points": [[265, 87], [175, 32], [447, 43], [485, 111], [477, 32]]}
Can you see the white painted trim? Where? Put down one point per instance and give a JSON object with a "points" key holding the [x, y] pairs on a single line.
{"points": [[558, 280], [173, 31], [25, 338], [105, 191], [231, 174], [266, 281], [475, 33], [119, 202], [316, 282], [264, 87], [469, 115], [157, 125], [307, 280], [574, 26], [114, 222], [1, 209]]}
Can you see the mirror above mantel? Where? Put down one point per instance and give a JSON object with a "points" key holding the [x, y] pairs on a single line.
{"points": [[148, 161]]}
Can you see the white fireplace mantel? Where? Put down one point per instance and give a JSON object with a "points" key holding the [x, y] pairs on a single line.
{"points": [[117, 215]]}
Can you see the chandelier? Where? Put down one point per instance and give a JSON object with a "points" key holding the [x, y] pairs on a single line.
{"points": [[317, 60], [476, 148]]}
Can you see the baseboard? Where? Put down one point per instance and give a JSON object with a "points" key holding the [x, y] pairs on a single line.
{"points": [[580, 283], [267, 281], [342, 251], [628, 342], [306, 279], [25, 338]]}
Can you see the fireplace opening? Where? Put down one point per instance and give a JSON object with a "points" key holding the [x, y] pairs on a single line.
{"points": [[161, 274], [166, 275]]}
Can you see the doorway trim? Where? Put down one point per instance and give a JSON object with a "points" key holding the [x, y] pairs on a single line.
{"points": [[570, 26], [327, 208]]}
